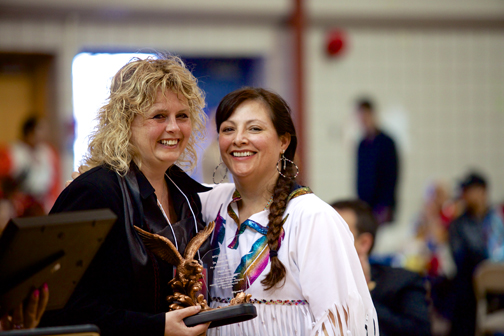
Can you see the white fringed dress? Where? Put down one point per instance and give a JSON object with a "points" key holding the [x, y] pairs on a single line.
{"points": [[324, 284]]}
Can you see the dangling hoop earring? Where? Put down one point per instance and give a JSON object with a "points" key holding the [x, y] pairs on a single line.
{"points": [[283, 161], [215, 171]]}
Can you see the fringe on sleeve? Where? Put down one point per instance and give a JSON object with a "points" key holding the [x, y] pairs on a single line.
{"points": [[350, 319]]}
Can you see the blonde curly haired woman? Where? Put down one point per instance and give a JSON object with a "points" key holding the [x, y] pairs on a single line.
{"points": [[147, 130]]}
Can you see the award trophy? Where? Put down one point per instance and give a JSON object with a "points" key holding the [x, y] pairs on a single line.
{"points": [[186, 283]]}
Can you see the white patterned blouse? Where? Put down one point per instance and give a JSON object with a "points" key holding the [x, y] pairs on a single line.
{"points": [[324, 286]]}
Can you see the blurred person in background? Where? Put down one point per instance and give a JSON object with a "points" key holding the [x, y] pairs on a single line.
{"points": [[431, 230], [33, 165], [399, 296], [428, 253], [477, 235], [377, 165], [29, 173]]}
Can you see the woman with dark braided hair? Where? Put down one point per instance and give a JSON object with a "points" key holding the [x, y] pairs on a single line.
{"points": [[275, 239]]}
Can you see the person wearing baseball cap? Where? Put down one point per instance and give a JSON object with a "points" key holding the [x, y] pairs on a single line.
{"points": [[476, 235]]}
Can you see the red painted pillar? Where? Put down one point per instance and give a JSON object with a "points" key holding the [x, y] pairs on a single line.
{"points": [[298, 27]]}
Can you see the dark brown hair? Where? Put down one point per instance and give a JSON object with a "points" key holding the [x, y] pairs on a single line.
{"points": [[366, 222], [365, 104], [279, 112], [29, 125]]}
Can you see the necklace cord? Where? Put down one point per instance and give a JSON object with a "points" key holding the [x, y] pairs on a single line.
{"points": [[169, 223], [192, 212]]}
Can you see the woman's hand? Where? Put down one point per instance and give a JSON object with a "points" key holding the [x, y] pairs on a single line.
{"points": [[174, 324], [27, 316]]}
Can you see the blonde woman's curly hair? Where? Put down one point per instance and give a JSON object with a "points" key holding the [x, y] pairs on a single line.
{"points": [[133, 91]]}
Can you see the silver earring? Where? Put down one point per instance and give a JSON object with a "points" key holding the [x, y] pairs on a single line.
{"points": [[283, 162], [215, 171]]}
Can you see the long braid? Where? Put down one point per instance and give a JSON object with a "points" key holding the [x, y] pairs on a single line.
{"points": [[280, 194]]}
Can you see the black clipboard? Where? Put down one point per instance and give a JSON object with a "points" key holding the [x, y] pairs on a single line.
{"points": [[223, 316], [54, 249]]}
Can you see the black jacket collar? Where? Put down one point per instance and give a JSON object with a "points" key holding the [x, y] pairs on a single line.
{"points": [[184, 181]]}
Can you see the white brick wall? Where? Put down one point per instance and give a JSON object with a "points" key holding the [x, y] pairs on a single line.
{"points": [[440, 92]]}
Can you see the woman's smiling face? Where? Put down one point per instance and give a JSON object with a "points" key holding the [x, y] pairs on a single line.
{"points": [[162, 133], [249, 144]]}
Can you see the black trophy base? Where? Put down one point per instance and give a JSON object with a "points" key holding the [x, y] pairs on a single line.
{"points": [[223, 316]]}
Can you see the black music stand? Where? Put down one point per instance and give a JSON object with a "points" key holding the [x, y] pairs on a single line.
{"points": [[54, 249]]}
